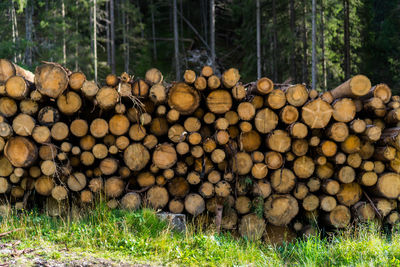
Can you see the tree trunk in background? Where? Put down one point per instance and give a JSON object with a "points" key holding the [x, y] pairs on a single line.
{"points": [[324, 76], [14, 29], [77, 43], [95, 38], [305, 70], [108, 34], [112, 36], [28, 32], [293, 68], [346, 39], [153, 31], [314, 52], [63, 28], [204, 20], [176, 42], [125, 30], [212, 31], [258, 40], [275, 41]]}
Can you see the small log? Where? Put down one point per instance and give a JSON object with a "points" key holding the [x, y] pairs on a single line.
{"points": [[20, 151], [276, 99], [283, 180], [279, 210], [317, 113], [349, 194], [183, 98], [297, 95], [339, 217], [218, 101], [356, 86]]}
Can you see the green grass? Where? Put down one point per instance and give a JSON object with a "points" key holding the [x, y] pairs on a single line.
{"points": [[140, 237]]}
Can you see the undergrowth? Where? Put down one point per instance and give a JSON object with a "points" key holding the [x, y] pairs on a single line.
{"points": [[141, 237]]}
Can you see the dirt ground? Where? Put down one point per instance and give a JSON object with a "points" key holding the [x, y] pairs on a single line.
{"points": [[10, 255]]}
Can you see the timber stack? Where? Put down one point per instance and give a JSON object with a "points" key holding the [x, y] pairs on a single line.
{"points": [[261, 158]]}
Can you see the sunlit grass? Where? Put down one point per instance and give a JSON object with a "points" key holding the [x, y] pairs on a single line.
{"points": [[141, 237]]}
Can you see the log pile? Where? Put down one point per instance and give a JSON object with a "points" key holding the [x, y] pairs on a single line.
{"points": [[264, 158]]}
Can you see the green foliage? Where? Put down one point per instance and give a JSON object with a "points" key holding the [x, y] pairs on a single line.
{"points": [[142, 238]]}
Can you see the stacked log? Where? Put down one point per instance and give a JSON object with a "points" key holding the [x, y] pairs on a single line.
{"points": [[262, 157]]}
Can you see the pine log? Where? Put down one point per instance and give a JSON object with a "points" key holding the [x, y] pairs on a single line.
{"points": [[183, 98], [297, 95], [20, 151], [51, 80], [219, 101], [283, 180], [317, 113], [356, 86], [279, 210]]}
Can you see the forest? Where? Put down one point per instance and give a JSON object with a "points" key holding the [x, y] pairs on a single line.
{"points": [[319, 42]]}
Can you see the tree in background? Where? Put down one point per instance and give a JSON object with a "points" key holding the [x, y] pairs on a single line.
{"points": [[268, 37]]}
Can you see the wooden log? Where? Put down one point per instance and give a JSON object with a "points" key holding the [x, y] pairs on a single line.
{"points": [[242, 163], [388, 185], [339, 217], [344, 110], [183, 98], [310, 202], [44, 185], [16, 87], [114, 187], [23, 124], [8, 69], [279, 210], [250, 141], [20, 151], [76, 181], [274, 160], [219, 101], [136, 156], [200, 83], [356, 86], [297, 95], [230, 77], [153, 76], [327, 148], [89, 89], [349, 194], [346, 174], [298, 130], [6, 168], [325, 171], [164, 156], [276, 99], [317, 113], [303, 167], [252, 227], [354, 160], [8, 107], [363, 211], [69, 103], [289, 114], [51, 80], [264, 86], [381, 91], [47, 115], [246, 111], [157, 197], [207, 190], [140, 88], [107, 97], [28, 106], [79, 127], [327, 203], [59, 193], [279, 141], [300, 147], [59, 131], [194, 204], [338, 131], [189, 76], [283, 180], [76, 80], [352, 144]]}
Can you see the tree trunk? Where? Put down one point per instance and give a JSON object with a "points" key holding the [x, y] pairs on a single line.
{"points": [[293, 69], [153, 30], [212, 32], [64, 33], [176, 42], [95, 38], [108, 34], [112, 35], [324, 71], [305, 61], [314, 47], [274, 42], [28, 32], [346, 39], [258, 39]]}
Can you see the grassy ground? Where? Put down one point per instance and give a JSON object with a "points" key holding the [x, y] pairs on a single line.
{"points": [[118, 237]]}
